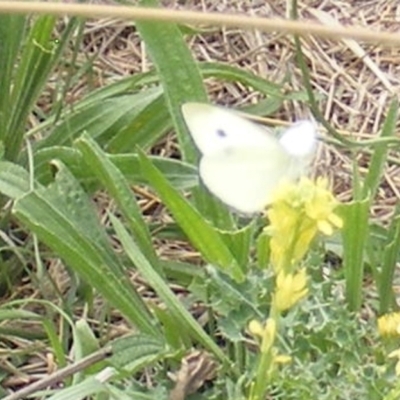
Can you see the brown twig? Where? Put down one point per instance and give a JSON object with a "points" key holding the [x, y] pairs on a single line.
{"points": [[60, 374]]}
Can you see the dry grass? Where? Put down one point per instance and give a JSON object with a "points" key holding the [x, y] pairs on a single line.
{"points": [[356, 83]]}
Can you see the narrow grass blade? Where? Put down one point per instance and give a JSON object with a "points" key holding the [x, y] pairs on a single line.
{"points": [[202, 235], [105, 119], [36, 60], [12, 30], [355, 238], [179, 312], [387, 299], [380, 152]]}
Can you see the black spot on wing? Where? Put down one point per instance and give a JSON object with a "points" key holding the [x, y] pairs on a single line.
{"points": [[221, 133]]}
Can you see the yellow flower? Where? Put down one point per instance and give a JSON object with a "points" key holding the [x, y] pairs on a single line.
{"points": [[389, 325], [269, 335], [320, 205], [290, 288], [297, 213], [282, 359], [266, 332]]}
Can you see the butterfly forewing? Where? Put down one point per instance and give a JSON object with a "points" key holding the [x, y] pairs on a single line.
{"points": [[214, 128]]}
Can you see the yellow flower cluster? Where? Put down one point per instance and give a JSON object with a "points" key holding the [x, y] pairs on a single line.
{"points": [[297, 213], [389, 325]]}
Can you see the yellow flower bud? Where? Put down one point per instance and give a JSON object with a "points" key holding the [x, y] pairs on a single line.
{"points": [[256, 328]]}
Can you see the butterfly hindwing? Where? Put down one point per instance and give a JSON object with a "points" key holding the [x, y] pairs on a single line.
{"points": [[242, 179]]}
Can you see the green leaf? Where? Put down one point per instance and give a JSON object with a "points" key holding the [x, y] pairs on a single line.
{"points": [[38, 56], [178, 72], [85, 343], [180, 174], [355, 233], [144, 130], [123, 86], [387, 298], [12, 30], [202, 235], [104, 119], [380, 152], [113, 180], [263, 250], [239, 243], [134, 352], [65, 220], [188, 323], [83, 390], [235, 74], [14, 180]]}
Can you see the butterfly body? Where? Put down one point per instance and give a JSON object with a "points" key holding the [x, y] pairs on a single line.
{"points": [[242, 163]]}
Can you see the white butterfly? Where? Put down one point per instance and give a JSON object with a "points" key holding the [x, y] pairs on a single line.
{"points": [[242, 163]]}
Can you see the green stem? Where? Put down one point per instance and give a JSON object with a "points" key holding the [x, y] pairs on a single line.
{"points": [[265, 365]]}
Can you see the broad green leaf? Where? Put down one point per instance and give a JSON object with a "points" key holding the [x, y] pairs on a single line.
{"points": [[239, 243], [18, 314], [63, 218], [181, 81], [263, 250], [179, 73], [144, 130], [180, 174], [14, 180], [134, 352], [124, 86], [117, 186], [85, 343]]}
